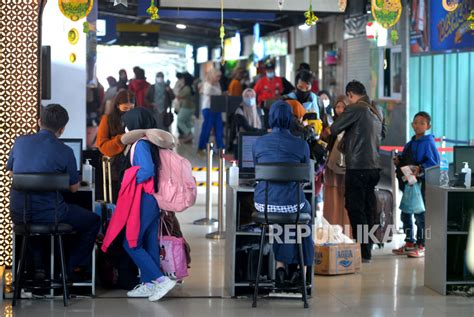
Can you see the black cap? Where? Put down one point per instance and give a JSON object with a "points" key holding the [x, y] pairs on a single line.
{"points": [[269, 65]]}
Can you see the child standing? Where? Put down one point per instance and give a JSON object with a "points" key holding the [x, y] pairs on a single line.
{"points": [[422, 153]]}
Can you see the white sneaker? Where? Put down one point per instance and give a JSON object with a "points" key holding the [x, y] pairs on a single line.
{"points": [[141, 291], [161, 289]]}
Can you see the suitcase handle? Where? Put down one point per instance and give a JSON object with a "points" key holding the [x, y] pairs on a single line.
{"points": [[107, 179]]}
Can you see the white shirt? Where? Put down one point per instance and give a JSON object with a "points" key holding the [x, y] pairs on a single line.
{"points": [[209, 90]]}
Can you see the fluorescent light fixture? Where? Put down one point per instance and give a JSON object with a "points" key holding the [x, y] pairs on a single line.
{"points": [[304, 27], [181, 26]]}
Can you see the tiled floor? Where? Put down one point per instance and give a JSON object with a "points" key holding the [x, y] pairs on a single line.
{"points": [[389, 286]]}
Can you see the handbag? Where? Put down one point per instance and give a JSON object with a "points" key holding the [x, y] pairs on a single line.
{"points": [[412, 200], [173, 260], [336, 161]]}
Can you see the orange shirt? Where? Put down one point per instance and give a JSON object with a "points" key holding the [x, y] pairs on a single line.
{"points": [[107, 144], [235, 88]]}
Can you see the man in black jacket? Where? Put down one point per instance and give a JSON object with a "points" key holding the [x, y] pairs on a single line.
{"points": [[363, 126]]}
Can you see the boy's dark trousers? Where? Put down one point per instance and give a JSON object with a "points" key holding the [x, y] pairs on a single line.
{"points": [[361, 204], [407, 220]]}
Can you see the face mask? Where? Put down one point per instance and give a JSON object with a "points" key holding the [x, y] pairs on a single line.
{"points": [[160, 80], [326, 103], [302, 96], [270, 75], [123, 78], [250, 102]]}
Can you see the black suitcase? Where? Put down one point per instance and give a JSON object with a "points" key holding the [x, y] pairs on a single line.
{"points": [[383, 215]]}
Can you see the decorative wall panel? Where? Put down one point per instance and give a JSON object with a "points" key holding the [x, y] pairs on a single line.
{"points": [[19, 94]]}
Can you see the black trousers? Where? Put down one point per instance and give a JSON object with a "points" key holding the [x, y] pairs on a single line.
{"points": [[361, 204]]}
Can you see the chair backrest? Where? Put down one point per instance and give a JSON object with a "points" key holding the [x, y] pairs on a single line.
{"points": [[283, 172], [40, 182]]}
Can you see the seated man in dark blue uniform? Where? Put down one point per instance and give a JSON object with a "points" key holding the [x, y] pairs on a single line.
{"points": [[43, 152], [280, 146]]}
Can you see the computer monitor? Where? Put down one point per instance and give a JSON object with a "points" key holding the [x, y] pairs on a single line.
{"points": [[246, 162], [463, 154], [76, 146]]}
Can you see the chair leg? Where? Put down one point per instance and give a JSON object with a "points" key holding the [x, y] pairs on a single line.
{"points": [[19, 272], [63, 269], [303, 275], [259, 267]]}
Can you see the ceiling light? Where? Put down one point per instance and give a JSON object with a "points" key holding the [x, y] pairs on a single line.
{"points": [[181, 26], [304, 27]]}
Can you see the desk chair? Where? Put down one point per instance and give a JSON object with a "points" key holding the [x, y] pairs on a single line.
{"points": [[282, 173], [40, 183]]}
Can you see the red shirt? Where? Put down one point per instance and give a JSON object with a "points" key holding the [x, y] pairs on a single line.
{"points": [[268, 89]]}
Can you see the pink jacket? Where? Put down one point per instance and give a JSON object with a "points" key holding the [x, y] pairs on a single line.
{"points": [[127, 211]]}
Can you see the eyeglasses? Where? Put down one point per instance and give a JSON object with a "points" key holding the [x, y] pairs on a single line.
{"points": [[303, 86]]}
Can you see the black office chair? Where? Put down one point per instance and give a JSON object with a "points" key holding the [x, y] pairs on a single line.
{"points": [[40, 183], [282, 173]]}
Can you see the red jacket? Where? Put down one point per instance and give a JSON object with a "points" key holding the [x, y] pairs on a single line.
{"points": [[268, 89], [139, 88], [127, 211]]}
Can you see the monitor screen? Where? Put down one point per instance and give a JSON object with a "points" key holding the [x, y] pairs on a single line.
{"points": [[246, 143], [76, 146], [463, 154]]}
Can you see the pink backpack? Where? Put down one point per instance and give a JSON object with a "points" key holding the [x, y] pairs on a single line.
{"points": [[177, 188]]}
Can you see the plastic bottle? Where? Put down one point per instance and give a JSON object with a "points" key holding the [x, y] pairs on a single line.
{"points": [[234, 175], [468, 172], [88, 172], [444, 170]]}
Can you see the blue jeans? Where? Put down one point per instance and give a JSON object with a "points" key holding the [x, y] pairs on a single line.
{"points": [[147, 253], [407, 220], [211, 120], [288, 252]]}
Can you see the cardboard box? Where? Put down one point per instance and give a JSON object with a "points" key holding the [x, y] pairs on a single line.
{"points": [[336, 259]]}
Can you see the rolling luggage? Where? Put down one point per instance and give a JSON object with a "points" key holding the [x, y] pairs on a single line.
{"points": [[115, 268], [105, 208], [383, 216]]}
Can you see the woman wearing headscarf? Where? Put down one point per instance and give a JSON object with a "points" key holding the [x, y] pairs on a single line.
{"points": [[212, 120], [280, 146], [110, 132], [141, 220], [334, 175], [245, 118]]}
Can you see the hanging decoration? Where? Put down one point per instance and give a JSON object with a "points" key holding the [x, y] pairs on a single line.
{"points": [[451, 6], [342, 5], [311, 18], [153, 11], [386, 12], [86, 27], [281, 3], [222, 33], [471, 19], [122, 2], [73, 36], [394, 36], [75, 9]]}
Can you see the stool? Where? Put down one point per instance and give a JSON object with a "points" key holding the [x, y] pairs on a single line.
{"points": [[282, 173], [40, 183]]}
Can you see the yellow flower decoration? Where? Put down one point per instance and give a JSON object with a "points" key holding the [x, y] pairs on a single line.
{"points": [[153, 11], [311, 18], [471, 19]]}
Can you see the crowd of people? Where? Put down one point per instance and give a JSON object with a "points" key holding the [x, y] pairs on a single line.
{"points": [[342, 135]]}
